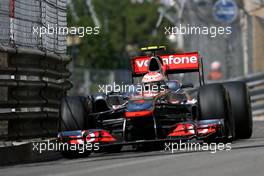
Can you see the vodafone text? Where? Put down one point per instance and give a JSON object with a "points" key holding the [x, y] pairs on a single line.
{"points": [[171, 60]]}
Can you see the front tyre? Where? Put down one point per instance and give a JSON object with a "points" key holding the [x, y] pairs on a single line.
{"points": [[74, 116], [214, 103], [74, 113]]}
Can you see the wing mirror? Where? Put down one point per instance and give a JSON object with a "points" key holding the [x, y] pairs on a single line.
{"points": [[173, 85]]}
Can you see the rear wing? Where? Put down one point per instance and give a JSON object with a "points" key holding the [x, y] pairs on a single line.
{"points": [[171, 63]]}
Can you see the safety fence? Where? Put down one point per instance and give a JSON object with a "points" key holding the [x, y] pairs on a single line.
{"points": [[256, 85], [38, 24]]}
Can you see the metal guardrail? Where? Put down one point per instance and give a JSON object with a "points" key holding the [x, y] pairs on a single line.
{"points": [[32, 84], [256, 85]]}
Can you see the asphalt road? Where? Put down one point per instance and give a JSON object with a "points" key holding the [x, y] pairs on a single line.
{"points": [[246, 158]]}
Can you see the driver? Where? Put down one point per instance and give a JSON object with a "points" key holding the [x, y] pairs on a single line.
{"points": [[153, 82]]}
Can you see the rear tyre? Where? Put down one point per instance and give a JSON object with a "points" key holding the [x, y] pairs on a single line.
{"points": [[241, 108], [214, 103]]}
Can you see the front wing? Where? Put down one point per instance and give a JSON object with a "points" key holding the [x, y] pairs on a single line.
{"points": [[200, 130]]}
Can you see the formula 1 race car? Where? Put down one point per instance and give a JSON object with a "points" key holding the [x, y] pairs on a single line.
{"points": [[158, 109]]}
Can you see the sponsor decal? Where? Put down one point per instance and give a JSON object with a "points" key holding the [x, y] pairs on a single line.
{"points": [[187, 61]]}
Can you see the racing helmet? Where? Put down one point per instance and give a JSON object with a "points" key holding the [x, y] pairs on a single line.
{"points": [[153, 82], [152, 77]]}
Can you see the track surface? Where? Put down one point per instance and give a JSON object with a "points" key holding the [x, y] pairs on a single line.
{"points": [[245, 158]]}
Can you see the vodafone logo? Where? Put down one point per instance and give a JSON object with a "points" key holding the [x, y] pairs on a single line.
{"points": [[142, 63], [180, 60], [171, 60]]}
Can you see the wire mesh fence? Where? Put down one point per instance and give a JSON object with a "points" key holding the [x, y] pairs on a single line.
{"points": [[34, 24]]}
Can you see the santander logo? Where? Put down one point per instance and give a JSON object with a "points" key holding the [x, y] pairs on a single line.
{"points": [[171, 60]]}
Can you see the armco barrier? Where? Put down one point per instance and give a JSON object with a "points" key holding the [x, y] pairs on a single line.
{"points": [[25, 153], [256, 86]]}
